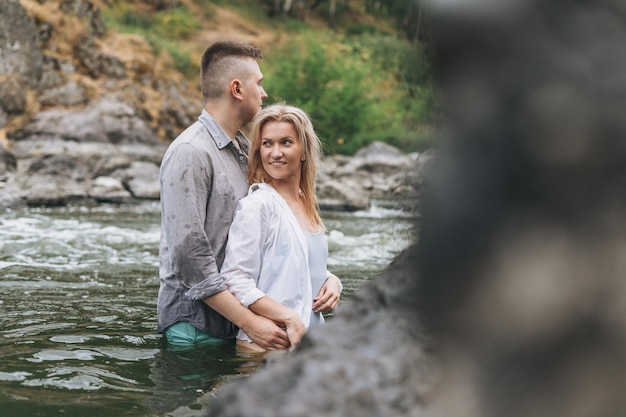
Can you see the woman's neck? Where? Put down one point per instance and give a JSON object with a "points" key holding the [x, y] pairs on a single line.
{"points": [[290, 192]]}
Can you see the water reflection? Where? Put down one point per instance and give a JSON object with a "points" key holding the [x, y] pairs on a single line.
{"points": [[181, 376], [78, 291]]}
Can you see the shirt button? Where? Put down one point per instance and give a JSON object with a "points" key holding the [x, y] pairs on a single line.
{"points": [[241, 157]]}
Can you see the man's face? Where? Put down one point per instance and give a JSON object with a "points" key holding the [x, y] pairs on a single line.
{"points": [[252, 89]]}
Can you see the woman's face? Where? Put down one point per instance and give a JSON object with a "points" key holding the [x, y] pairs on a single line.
{"points": [[281, 152]]}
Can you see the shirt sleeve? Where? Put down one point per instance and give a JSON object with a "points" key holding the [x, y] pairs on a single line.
{"points": [[185, 185], [242, 263], [328, 274]]}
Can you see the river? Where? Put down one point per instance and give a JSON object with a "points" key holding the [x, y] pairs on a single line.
{"points": [[78, 288]]}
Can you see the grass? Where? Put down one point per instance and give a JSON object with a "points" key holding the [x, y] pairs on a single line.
{"points": [[364, 84]]}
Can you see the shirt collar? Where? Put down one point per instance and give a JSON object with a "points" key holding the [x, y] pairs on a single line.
{"points": [[219, 136]]}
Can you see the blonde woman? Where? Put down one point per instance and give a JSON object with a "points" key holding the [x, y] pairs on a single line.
{"points": [[277, 249]]}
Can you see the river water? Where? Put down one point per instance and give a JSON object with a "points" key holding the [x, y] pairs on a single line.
{"points": [[78, 288]]}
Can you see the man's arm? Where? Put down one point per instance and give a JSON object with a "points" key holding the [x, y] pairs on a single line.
{"points": [[263, 331], [272, 309]]}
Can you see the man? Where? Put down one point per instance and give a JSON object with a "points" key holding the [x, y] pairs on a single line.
{"points": [[203, 175]]}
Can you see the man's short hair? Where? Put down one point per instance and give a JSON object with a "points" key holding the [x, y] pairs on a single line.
{"points": [[220, 65]]}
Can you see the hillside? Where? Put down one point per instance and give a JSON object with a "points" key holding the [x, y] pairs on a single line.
{"points": [[87, 110], [79, 46]]}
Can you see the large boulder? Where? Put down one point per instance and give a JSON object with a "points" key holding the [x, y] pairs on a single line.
{"points": [[523, 243], [107, 120], [377, 171], [64, 155], [370, 360]]}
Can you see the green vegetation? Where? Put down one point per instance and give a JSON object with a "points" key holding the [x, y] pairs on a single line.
{"points": [[164, 30], [356, 89], [359, 82]]}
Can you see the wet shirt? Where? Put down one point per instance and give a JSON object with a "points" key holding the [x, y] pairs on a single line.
{"points": [[203, 175]]}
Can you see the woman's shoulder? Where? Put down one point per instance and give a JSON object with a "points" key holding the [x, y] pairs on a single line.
{"points": [[262, 191], [260, 195]]}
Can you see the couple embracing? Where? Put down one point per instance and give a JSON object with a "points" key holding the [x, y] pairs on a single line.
{"points": [[243, 249]]}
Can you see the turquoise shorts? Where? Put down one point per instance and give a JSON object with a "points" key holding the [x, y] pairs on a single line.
{"points": [[185, 334]]}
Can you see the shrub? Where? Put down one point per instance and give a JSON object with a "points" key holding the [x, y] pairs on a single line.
{"points": [[325, 80], [355, 90]]}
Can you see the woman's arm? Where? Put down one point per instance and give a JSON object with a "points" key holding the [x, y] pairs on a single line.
{"points": [[242, 267], [242, 262]]}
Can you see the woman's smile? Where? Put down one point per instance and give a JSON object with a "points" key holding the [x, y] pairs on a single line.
{"points": [[281, 151]]}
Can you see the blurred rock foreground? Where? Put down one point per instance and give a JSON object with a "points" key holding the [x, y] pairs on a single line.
{"points": [[513, 302], [86, 115]]}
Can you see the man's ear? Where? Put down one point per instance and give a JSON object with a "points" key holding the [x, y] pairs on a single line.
{"points": [[236, 88]]}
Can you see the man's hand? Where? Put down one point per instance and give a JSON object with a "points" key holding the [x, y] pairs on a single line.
{"points": [[265, 333], [295, 328], [285, 317], [328, 297]]}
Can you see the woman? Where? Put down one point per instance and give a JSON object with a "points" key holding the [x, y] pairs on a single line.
{"points": [[277, 249]]}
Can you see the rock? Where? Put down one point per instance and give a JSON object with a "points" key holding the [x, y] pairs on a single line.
{"points": [[69, 94], [378, 159], [86, 9], [378, 153], [371, 359], [44, 190], [106, 120], [341, 196], [20, 51], [523, 247], [97, 63], [12, 95], [8, 162], [110, 163], [376, 171], [109, 190], [142, 180], [81, 154], [4, 120], [10, 193], [71, 171], [57, 166]]}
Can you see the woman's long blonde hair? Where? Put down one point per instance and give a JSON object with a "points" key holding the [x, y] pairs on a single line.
{"points": [[280, 112]]}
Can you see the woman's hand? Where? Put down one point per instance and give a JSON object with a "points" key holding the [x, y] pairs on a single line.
{"points": [[328, 297]]}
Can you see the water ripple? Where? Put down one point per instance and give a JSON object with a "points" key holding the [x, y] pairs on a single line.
{"points": [[78, 292]]}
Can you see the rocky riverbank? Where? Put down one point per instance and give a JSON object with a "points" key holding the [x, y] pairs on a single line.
{"points": [[46, 168], [86, 115]]}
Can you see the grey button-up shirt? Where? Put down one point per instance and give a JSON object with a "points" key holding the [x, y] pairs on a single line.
{"points": [[203, 175]]}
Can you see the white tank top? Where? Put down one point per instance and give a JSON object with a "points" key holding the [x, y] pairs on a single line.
{"points": [[317, 244]]}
